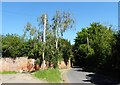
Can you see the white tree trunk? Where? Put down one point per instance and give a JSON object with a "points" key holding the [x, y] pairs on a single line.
{"points": [[56, 43], [44, 34]]}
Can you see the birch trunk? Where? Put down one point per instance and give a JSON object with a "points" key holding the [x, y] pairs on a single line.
{"points": [[56, 43], [44, 34]]}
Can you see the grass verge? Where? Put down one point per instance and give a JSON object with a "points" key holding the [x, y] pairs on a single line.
{"points": [[51, 75], [8, 72]]}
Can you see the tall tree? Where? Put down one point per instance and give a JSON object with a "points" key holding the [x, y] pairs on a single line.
{"points": [[44, 26], [61, 22]]}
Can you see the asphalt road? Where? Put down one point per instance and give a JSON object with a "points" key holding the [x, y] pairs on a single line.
{"points": [[77, 75]]}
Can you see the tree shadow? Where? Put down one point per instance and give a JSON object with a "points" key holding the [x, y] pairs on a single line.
{"points": [[98, 79]]}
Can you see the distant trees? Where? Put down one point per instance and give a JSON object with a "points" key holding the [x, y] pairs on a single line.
{"points": [[97, 47]]}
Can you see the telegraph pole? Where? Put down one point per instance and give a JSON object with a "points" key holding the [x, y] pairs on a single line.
{"points": [[88, 43]]}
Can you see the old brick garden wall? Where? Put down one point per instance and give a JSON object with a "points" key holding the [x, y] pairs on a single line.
{"points": [[22, 64]]}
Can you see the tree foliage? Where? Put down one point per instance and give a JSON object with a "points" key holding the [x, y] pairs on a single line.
{"points": [[31, 43], [11, 45], [94, 47]]}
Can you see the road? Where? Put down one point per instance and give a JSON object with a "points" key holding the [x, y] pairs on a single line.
{"points": [[77, 75]]}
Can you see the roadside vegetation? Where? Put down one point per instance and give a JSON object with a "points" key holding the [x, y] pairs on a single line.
{"points": [[8, 72], [51, 75], [97, 48], [44, 43]]}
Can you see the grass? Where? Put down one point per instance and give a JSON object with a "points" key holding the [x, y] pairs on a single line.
{"points": [[51, 75], [8, 72]]}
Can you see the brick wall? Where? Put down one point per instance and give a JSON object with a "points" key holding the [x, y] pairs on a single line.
{"points": [[22, 64], [19, 64]]}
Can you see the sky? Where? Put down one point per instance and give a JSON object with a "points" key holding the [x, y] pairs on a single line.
{"points": [[15, 15], [119, 15], [59, 0]]}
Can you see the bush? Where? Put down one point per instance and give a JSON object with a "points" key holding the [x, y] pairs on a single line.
{"points": [[8, 72], [51, 75]]}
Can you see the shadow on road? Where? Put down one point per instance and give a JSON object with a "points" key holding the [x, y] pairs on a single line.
{"points": [[98, 79]]}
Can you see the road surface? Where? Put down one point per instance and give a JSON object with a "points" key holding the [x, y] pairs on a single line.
{"points": [[77, 75]]}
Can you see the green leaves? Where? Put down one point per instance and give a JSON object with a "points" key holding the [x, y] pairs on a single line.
{"points": [[11, 45], [31, 43], [61, 22], [98, 46]]}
